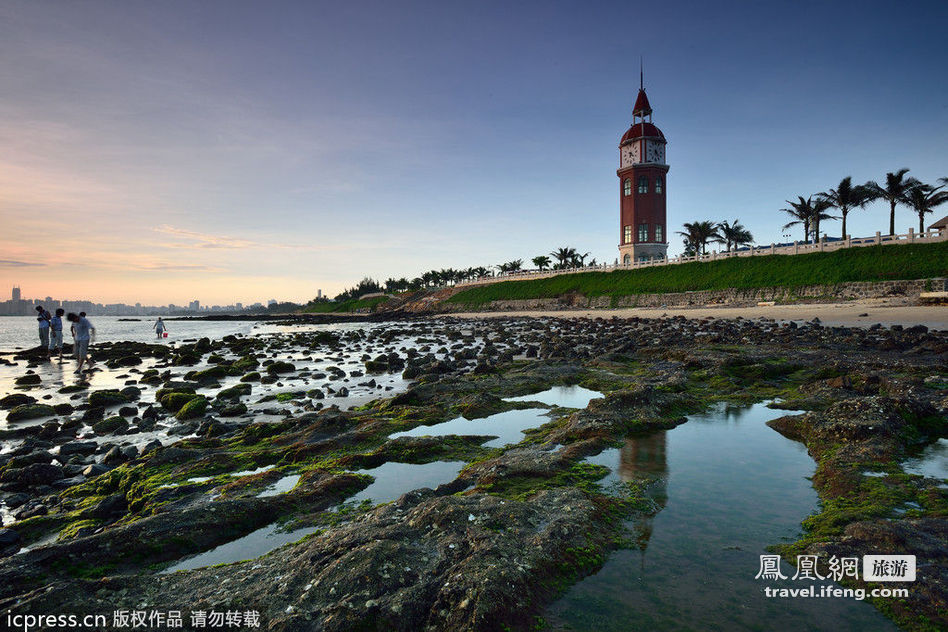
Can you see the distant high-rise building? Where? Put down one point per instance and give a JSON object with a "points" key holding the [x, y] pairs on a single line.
{"points": [[319, 293], [239, 306], [16, 293], [195, 305]]}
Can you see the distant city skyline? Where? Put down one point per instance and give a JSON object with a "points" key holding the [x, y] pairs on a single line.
{"points": [[158, 152], [19, 305]]}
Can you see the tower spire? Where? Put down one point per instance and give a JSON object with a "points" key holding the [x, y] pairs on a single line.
{"points": [[641, 107]]}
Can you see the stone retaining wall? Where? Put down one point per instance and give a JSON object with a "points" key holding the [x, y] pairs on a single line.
{"points": [[730, 297]]}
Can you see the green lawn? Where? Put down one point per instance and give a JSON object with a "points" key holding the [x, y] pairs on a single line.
{"points": [[871, 263]]}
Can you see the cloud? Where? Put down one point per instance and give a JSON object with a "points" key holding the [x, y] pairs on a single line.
{"points": [[206, 240], [8, 263], [174, 267]]}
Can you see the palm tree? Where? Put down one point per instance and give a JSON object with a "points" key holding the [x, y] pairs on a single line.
{"points": [[542, 262], [809, 213], [563, 256], [734, 234], [578, 260], [923, 198], [511, 266], [847, 197], [699, 234], [894, 192]]}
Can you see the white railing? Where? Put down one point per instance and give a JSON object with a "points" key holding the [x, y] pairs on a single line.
{"points": [[824, 245]]}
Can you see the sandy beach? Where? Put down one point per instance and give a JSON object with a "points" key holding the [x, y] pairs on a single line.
{"points": [[864, 313]]}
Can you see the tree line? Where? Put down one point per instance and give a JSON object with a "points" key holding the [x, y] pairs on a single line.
{"points": [[897, 190], [560, 259]]}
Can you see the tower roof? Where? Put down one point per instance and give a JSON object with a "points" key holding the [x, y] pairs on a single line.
{"points": [[641, 129], [641, 107]]}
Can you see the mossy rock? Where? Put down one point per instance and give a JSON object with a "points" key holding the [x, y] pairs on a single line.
{"points": [[192, 409], [129, 360], [174, 402], [106, 398], [186, 358], [210, 374], [109, 425], [235, 392], [63, 409], [17, 399], [30, 411], [73, 388], [280, 367], [269, 379], [376, 366], [234, 410], [28, 380], [253, 376], [246, 363], [174, 387]]}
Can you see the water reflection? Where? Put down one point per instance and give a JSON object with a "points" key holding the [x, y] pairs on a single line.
{"points": [[727, 487], [643, 460]]}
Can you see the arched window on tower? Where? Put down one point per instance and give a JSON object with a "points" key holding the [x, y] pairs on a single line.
{"points": [[658, 184], [626, 260], [643, 184], [627, 186]]}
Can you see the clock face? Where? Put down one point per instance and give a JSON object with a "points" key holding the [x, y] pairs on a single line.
{"points": [[630, 154], [655, 153]]}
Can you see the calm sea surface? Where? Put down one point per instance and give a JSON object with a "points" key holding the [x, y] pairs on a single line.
{"points": [[20, 332]]}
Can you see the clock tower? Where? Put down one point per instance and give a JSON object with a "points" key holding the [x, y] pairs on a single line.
{"points": [[643, 232]]}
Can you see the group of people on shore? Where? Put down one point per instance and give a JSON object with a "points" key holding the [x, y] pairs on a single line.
{"points": [[51, 334]]}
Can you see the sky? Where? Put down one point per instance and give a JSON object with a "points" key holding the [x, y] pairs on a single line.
{"points": [[223, 150]]}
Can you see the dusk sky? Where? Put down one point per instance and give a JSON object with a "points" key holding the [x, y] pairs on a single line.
{"points": [[241, 151]]}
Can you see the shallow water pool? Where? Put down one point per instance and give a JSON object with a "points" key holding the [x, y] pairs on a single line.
{"points": [[728, 487]]}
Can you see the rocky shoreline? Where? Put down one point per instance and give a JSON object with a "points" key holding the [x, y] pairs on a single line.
{"points": [[485, 550]]}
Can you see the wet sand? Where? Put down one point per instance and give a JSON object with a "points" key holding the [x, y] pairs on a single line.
{"points": [[863, 313]]}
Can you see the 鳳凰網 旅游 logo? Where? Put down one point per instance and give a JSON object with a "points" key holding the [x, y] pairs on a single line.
{"points": [[874, 568]]}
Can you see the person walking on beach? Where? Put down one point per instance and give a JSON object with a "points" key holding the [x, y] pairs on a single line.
{"points": [[160, 327], [43, 318], [84, 331], [56, 334]]}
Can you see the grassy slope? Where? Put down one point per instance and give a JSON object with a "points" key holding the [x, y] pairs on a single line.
{"points": [[347, 306], [873, 263]]}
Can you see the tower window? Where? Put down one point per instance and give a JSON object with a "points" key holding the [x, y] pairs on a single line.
{"points": [[658, 233], [627, 186], [627, 234], [643, 184], [658, 184], [643, 232], [627, 259]]}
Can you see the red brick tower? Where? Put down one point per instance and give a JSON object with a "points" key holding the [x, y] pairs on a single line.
{"points": [[643, 232]]}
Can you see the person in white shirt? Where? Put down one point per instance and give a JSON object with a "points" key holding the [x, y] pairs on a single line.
{"points": [[84, 332], [56, 334]]}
